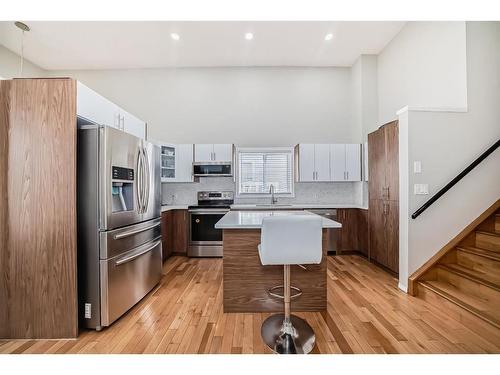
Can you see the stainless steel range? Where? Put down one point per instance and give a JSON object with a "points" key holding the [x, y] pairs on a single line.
{"points": [[204, 239]]}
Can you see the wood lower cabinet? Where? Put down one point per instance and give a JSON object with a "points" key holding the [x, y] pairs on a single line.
{"points": [[383, 190], [166, 234], [392, 239], [353, 236], [363, 231], [180, 232], [378, 232], [384, 233], [347, 236], [174, 231]]}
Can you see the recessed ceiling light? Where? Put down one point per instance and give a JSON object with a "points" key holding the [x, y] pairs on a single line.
{"points": [[329, 36], [248, 36], [175, 36]]}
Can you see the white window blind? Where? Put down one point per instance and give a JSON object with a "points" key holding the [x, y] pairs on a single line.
{"points": [[258, 170]]}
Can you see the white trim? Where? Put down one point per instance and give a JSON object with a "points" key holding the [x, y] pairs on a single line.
{"points": [[290, 149], [432, 109], [404, 288]]}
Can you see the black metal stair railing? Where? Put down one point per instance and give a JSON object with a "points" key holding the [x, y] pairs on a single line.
{"points": [[453, 182]]}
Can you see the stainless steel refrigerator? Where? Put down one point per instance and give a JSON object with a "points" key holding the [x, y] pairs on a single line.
{"points": [[119, 236]]}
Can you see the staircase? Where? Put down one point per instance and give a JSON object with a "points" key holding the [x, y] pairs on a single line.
{"points": [[467, 277]]}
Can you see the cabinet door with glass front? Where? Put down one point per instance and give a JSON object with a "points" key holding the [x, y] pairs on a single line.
{"points": [[168, 159]]}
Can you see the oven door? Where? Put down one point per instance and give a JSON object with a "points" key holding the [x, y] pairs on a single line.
{"points": [[204, 239]]}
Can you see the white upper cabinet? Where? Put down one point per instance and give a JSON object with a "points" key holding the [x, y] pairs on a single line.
{"points": [[345, 162], [307, 172], [133, 125], [184, 163], [213, 153], [223, 152], [203, 152], [322, 162], [353, 162], [96, 108], [337, 162], [177, 163], [314, 162], [329, 162]]}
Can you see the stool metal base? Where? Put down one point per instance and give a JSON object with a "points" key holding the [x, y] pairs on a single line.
{"points": [[300, 341]]}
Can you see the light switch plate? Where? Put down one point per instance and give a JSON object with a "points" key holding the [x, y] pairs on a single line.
{"points": [[417, 167], [421, 189]]}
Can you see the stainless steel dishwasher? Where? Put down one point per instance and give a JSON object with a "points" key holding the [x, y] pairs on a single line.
{"points": [[331, 214]]}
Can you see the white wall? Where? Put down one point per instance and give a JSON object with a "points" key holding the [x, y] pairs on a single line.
{"points": [[445, 143], [423, 66], [364, 102], [10, 66], [245, 106]]}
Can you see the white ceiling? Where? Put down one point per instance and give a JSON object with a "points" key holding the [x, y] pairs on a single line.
{"points": [[136, 44]]}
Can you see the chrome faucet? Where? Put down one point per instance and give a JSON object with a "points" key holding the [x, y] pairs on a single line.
{"points": [[274, 200]]}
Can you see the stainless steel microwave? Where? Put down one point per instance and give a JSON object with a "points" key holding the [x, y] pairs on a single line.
{"points": [[213, 169]]}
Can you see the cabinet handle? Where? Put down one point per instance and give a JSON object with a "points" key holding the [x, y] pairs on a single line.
{"points": [[347, 173]]}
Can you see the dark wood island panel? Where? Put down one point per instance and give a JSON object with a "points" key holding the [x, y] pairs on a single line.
{"points": [[246, 281]]}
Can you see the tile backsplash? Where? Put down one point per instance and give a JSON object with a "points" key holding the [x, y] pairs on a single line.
{"points": [[305, 192]]}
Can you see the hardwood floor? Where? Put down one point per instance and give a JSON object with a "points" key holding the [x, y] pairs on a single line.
{"points": [[366, 314]]}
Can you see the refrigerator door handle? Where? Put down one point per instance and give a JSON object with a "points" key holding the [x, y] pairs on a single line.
{"points": [[133, 232], [136, 255], [139, 179], [147, 180], [144, 175]]}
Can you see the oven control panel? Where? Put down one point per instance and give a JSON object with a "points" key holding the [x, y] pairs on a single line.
{"points": [[215, 195]]}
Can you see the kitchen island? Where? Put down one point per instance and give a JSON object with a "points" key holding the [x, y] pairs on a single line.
{"points": [[246, 281]]}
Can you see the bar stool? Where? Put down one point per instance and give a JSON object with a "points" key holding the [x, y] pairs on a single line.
{"points": [[289, 240]]}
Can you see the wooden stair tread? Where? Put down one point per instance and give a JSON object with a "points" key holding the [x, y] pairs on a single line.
{"points": [[481, 252], [472, 300], [452, 294], [488, 233], [476, 276]]}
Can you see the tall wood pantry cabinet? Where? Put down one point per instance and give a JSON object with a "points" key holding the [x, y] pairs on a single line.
{"points": [[383, 190], [38, 258]]}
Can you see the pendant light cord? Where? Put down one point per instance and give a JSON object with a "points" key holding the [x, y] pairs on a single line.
{"points": [[22, 54]]}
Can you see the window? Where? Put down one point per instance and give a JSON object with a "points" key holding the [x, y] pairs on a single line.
{"points": [[258, 169]]}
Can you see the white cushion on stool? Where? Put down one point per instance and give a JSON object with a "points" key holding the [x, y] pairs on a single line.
{"points": [[294, 239]]}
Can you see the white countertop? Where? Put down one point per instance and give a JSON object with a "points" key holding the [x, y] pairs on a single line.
{"points": [[260, 207], [253, 219], [168, 207], [296, 206]]}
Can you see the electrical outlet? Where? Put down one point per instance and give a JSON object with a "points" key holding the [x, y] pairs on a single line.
{"points": [[421, 189], [88, 311]]}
